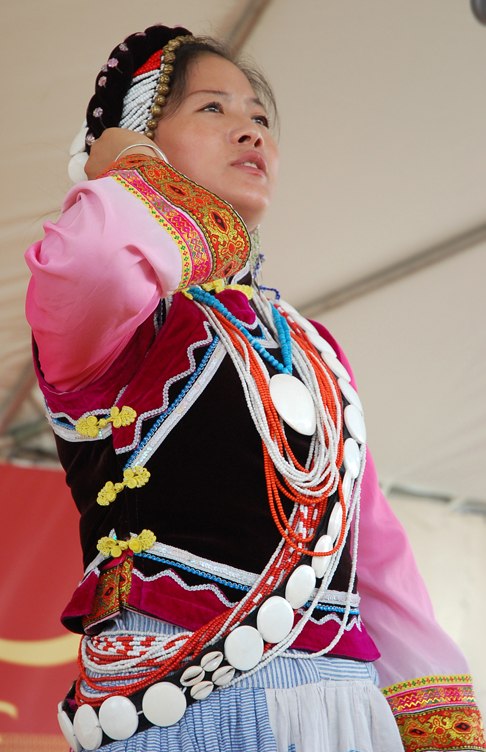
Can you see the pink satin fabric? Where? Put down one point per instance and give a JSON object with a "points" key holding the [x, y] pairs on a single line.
{"points": [[97, 275], [395, 604]]}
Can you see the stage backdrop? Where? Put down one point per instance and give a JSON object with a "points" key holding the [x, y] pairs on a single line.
{"points": [[40, 560]]}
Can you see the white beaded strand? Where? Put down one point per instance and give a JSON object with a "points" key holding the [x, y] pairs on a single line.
{"points": [[324, 458], [354, 508], [156, 650], [324, 469], [138, 101], [257, 584], [281, 647]]}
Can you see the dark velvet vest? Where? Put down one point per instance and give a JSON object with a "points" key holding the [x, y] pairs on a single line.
{"points": [[206, 494]]}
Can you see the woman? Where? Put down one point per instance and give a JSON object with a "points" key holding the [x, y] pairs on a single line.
{"points": [[215, 448]]}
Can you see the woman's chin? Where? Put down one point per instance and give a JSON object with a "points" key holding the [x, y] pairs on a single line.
{"points": [[251, 209]]}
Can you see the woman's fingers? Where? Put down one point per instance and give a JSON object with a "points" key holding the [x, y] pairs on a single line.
{"points": [[108, 146]]}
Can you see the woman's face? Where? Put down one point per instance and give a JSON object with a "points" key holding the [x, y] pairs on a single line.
{"points": [[218, 137]]}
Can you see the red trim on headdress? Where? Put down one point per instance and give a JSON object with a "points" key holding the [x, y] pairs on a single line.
{"points": [[153, 63]]}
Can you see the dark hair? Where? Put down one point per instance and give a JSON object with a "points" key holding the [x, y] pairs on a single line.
{"points": [[188, 53], [115, 77]]}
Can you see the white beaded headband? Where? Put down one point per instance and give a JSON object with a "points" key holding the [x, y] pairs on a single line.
{"points": [[147, 95]]}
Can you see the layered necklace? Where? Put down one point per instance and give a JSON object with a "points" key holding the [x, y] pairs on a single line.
{"points": [[312, 405]]}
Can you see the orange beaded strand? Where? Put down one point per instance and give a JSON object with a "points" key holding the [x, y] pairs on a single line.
{"points": [[291, 552]]}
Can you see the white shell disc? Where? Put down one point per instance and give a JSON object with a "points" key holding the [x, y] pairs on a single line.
{"points": [[350, 393], [211, 661], [202, 690], [78, 143], [347, 487], [335, 522], [164, 704], [87, 728], [192, 675], [118, 717], [293, 402], [355, 424], [76, 167], [300, 585], [67, 729], [223, 675], [275, 619], [336, 366], [320, 343], [287, 307], [243, 647], [321, 563], [304, 324], [352, 459]]}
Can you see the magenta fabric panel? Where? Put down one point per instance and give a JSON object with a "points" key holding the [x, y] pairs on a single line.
{"points": [[190, 609], [81, 603], [168, 358], [166, 599], [355, 643], [237, 302]]}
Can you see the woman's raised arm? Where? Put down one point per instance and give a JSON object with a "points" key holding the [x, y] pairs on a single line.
{"points": [[123, 241], [97, 274]]}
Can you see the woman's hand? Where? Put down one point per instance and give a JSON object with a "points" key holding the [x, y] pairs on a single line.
{"points": [[107, 147]]}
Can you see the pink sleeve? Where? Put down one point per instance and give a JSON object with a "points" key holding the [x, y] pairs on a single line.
{"points": [[395, 604], [139, 233], [97, 274]]}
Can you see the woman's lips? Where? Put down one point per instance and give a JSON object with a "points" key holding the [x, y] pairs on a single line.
{"points": [[252, 162]]}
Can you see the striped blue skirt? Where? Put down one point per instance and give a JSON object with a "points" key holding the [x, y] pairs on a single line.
{"points": [[323, 704]]}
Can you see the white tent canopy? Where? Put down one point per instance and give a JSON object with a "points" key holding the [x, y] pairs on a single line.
{"points": [[383, 122]]}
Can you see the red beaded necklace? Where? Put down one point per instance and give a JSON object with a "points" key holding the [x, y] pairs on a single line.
{"points": [[295, 544]]}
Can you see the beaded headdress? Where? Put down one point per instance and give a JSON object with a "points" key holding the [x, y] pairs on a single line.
{"points": [[131, 88]]}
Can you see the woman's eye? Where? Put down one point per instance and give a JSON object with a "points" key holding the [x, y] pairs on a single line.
{"points": [[262, 119], [213, 107]]}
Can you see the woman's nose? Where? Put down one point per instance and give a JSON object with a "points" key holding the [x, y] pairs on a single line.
{"points": [[249, 135]]}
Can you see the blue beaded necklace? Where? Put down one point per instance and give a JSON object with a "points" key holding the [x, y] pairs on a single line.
{"points": [[281, 325]]}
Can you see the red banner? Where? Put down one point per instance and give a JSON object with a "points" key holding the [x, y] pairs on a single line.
{"points": [[41, 565]]}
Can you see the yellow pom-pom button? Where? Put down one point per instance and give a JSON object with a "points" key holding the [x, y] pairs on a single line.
{"points": [[90, 425], [132, 478], [111, 547], [147, 539]]}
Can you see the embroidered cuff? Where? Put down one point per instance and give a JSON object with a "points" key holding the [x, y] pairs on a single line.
{"points": [[437, 713], [212, 238]]}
